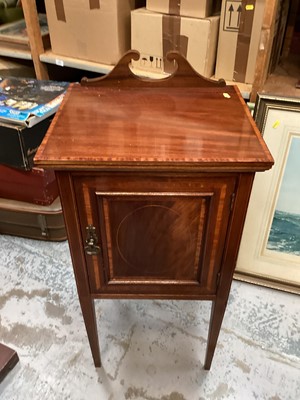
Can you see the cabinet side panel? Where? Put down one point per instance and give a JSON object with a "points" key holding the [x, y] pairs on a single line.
{"points": [[69, 206], [235, 230]]}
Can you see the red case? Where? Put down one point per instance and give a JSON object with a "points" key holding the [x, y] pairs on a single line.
{"points": [[37, 186]]}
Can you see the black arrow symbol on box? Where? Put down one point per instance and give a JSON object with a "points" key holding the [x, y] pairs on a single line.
{"points": [[230, 13], [239, 10]]}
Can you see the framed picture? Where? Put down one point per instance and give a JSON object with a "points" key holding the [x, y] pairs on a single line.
{"points": [[14, 34], [270, 248]]}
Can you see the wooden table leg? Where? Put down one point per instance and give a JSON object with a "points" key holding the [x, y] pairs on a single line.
{"points": [[65, 184], [89, 316], [229, 261], [216, 318], [8, 359]]}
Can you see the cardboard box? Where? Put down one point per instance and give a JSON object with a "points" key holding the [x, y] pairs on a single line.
{"points": [[18, 144], [155, 34], [239, 39], [185, 8], [93, 30]]}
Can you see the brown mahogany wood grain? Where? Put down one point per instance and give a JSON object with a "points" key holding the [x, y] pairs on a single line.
{"points": [[153, 127], [160, 233], [78, 259], [154, 179], [8, 359], [184, 75], [230, 254]]}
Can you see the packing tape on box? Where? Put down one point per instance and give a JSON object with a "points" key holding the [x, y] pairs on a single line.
{"points": [[172, 39], [94, 4], [60, 9], [243, 40], [174, 7]]}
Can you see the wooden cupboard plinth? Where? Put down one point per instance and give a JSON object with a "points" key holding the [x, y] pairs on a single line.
{"points": [[8, 359], [154, 179]]}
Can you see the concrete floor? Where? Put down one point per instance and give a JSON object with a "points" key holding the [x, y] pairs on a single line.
{"points": [[151, 350]]}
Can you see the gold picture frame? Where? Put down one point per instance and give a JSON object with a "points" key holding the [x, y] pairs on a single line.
{"points": [[269, 253]]}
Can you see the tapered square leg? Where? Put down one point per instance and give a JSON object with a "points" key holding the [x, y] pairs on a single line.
{"points": [[216, 318], [89, 316]]}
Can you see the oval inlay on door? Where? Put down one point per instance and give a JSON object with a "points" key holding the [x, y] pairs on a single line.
{"points": [[155, 229]]}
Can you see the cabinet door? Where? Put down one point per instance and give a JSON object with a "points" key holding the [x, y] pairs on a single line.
{"points": [[153, 234]]}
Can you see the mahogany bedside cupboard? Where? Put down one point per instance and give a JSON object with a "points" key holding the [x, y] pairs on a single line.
{"points": [[154, 179]]}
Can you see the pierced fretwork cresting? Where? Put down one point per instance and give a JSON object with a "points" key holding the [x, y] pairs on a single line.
{"points": [[183, 76]]}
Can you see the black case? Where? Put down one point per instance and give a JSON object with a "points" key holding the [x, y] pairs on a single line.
{"points": [[18, 144]]}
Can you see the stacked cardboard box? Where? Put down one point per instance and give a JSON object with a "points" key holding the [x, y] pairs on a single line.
{"points": [[186, 26], [95, 30], [239, 39]]}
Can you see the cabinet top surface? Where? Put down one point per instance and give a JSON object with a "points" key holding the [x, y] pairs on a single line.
{"points": [[115, 127]]}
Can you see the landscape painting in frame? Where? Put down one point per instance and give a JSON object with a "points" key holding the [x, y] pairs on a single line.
{"points": [[269, 252], [284, 235]]}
